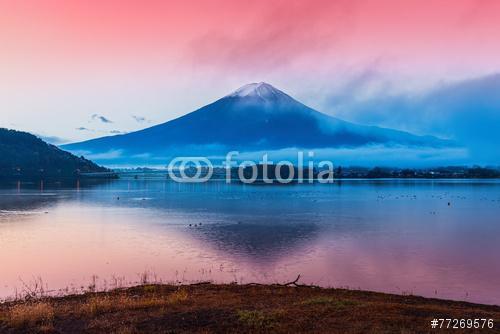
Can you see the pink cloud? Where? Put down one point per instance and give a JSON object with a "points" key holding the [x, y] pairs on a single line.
{"points": [[281, 32]]}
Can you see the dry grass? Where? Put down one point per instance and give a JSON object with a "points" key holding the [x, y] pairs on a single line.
{"points": [[177, 297], [330, 302], [125, 330], [102, 303], [236, 309], [29, 314], [258, 320]]}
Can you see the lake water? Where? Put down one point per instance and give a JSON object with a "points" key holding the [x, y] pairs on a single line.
{"points": [[397, 236]]}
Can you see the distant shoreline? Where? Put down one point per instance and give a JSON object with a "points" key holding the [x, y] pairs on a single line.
{"points": [[257, 182], [89, 176], [339, 173]]}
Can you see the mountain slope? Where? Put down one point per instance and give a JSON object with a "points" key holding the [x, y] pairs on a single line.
{"points": [[255, 117], [24, 155]]}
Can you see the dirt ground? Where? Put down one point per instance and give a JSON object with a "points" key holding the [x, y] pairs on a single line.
{"points": [[208, 308]]}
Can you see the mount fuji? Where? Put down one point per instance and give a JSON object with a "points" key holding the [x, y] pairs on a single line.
{"points": [[256, 117]]}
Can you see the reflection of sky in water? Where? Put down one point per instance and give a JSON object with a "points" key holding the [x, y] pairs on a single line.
{"points": [[394, 236]]}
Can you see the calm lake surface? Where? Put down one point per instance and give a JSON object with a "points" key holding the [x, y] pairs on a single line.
{"points": [[397, 236]]}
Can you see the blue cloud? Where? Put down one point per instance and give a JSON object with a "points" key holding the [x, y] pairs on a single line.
{"points": [[53, 139], [141, 119], [82, 128], [467, 111], [101, 118]]}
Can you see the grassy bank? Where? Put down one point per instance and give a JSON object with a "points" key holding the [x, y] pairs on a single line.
{"points": [[208, 308]]}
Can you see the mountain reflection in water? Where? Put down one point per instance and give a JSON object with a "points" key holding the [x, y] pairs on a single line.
{"points": [[397, 236]]}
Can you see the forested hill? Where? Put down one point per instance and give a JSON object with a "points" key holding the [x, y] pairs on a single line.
{"points": [[27, 156]]}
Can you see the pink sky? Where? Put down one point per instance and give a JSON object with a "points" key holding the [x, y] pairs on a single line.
{"points": [[67, 60]]}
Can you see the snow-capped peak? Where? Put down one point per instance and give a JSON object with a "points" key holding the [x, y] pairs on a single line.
{"points": [[261, 89]]}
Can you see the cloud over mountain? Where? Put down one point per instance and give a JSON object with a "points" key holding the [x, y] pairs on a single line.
{"points": [[467, 111]]}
